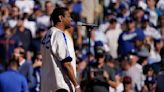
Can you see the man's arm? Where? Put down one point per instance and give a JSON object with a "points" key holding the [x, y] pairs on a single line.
{"points": [[71, 75]]}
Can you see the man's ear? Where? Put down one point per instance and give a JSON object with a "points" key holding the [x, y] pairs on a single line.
{"points": [[60, 18]]}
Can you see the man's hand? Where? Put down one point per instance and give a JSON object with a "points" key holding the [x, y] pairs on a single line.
{"points": [[77, 89], [106, 75]]}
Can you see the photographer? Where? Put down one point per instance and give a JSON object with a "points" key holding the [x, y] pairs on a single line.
{"points": [[98, 81]]}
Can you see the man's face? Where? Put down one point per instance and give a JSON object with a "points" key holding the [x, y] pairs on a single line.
{"points": [[67, 20], [144, 24], [131, 25], [15, 12], [151, 3], [133, 58], [49, 7]]}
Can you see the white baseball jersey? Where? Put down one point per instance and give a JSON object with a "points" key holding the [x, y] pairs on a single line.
{"points": [[54, 50]]}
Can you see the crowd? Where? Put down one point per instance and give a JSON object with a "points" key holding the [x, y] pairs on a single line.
{"points": [[125, 52]]}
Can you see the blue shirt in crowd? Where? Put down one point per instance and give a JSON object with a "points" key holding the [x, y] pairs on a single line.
{"points": [[13, 81], [127, 39]]}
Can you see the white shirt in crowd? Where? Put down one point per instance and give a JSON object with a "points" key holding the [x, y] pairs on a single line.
{"points": [[112, 40], [135, 72], [152, 32], [31, 25], [43, 20], [25, 6], [160, 5], [54, 50], [119, 88], [153, 17], [142, 4]]}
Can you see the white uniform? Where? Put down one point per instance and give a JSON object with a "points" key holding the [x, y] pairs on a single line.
{"points": [[54, 51]]}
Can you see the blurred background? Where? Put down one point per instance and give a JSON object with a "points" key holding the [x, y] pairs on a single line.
{"points": [[127, 47]]}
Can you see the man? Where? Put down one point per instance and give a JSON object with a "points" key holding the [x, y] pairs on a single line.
{"points": [[12, 80], [56, 71], [149, 31], [98, 82], [127, 38], [8, 41], [26, 69], [112, 35], [135, 71], [23, 34]]}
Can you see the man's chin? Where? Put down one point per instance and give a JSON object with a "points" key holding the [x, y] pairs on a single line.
{"points": [[67, 27]]}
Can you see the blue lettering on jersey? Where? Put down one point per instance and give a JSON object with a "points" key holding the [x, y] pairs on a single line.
{"points": [[46, 40], [65, 38]]}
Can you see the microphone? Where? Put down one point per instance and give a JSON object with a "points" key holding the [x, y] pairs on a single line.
{"points": [[86, 24]]}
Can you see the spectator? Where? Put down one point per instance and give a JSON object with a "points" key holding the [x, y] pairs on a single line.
{"points": [[25, 6], [153, 11], [24, 34], [89, 10], [42, 19], [119, 85], [155, 58], [5, 12], [127, 81], [160, 6], [12, 80], [127, 38], [15, 14], [134, 70], [76, 10], [148, 30], [98, 82], [36, 42], [26, 69], [49, 7], [113, 77], [150, 81], [138, 14], [8, 41], [112, 35], [36, 65]]}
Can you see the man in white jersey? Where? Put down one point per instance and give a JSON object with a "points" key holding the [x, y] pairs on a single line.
{"points": [[57, 72]]}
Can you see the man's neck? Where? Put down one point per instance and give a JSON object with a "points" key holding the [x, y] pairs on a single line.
{"points": [[60, 26], [21, 61], [100, 65], [132, 29], [21, 29], [14, 67]]}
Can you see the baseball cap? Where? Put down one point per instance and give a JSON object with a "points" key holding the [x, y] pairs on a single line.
{"points": [[127, 80], [158, 40], [129, 20], [145, 18], [144, 52], [133, 52]]}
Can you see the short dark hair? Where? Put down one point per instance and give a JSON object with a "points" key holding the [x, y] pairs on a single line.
{"points": [[13, 61], [56, 13]]}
